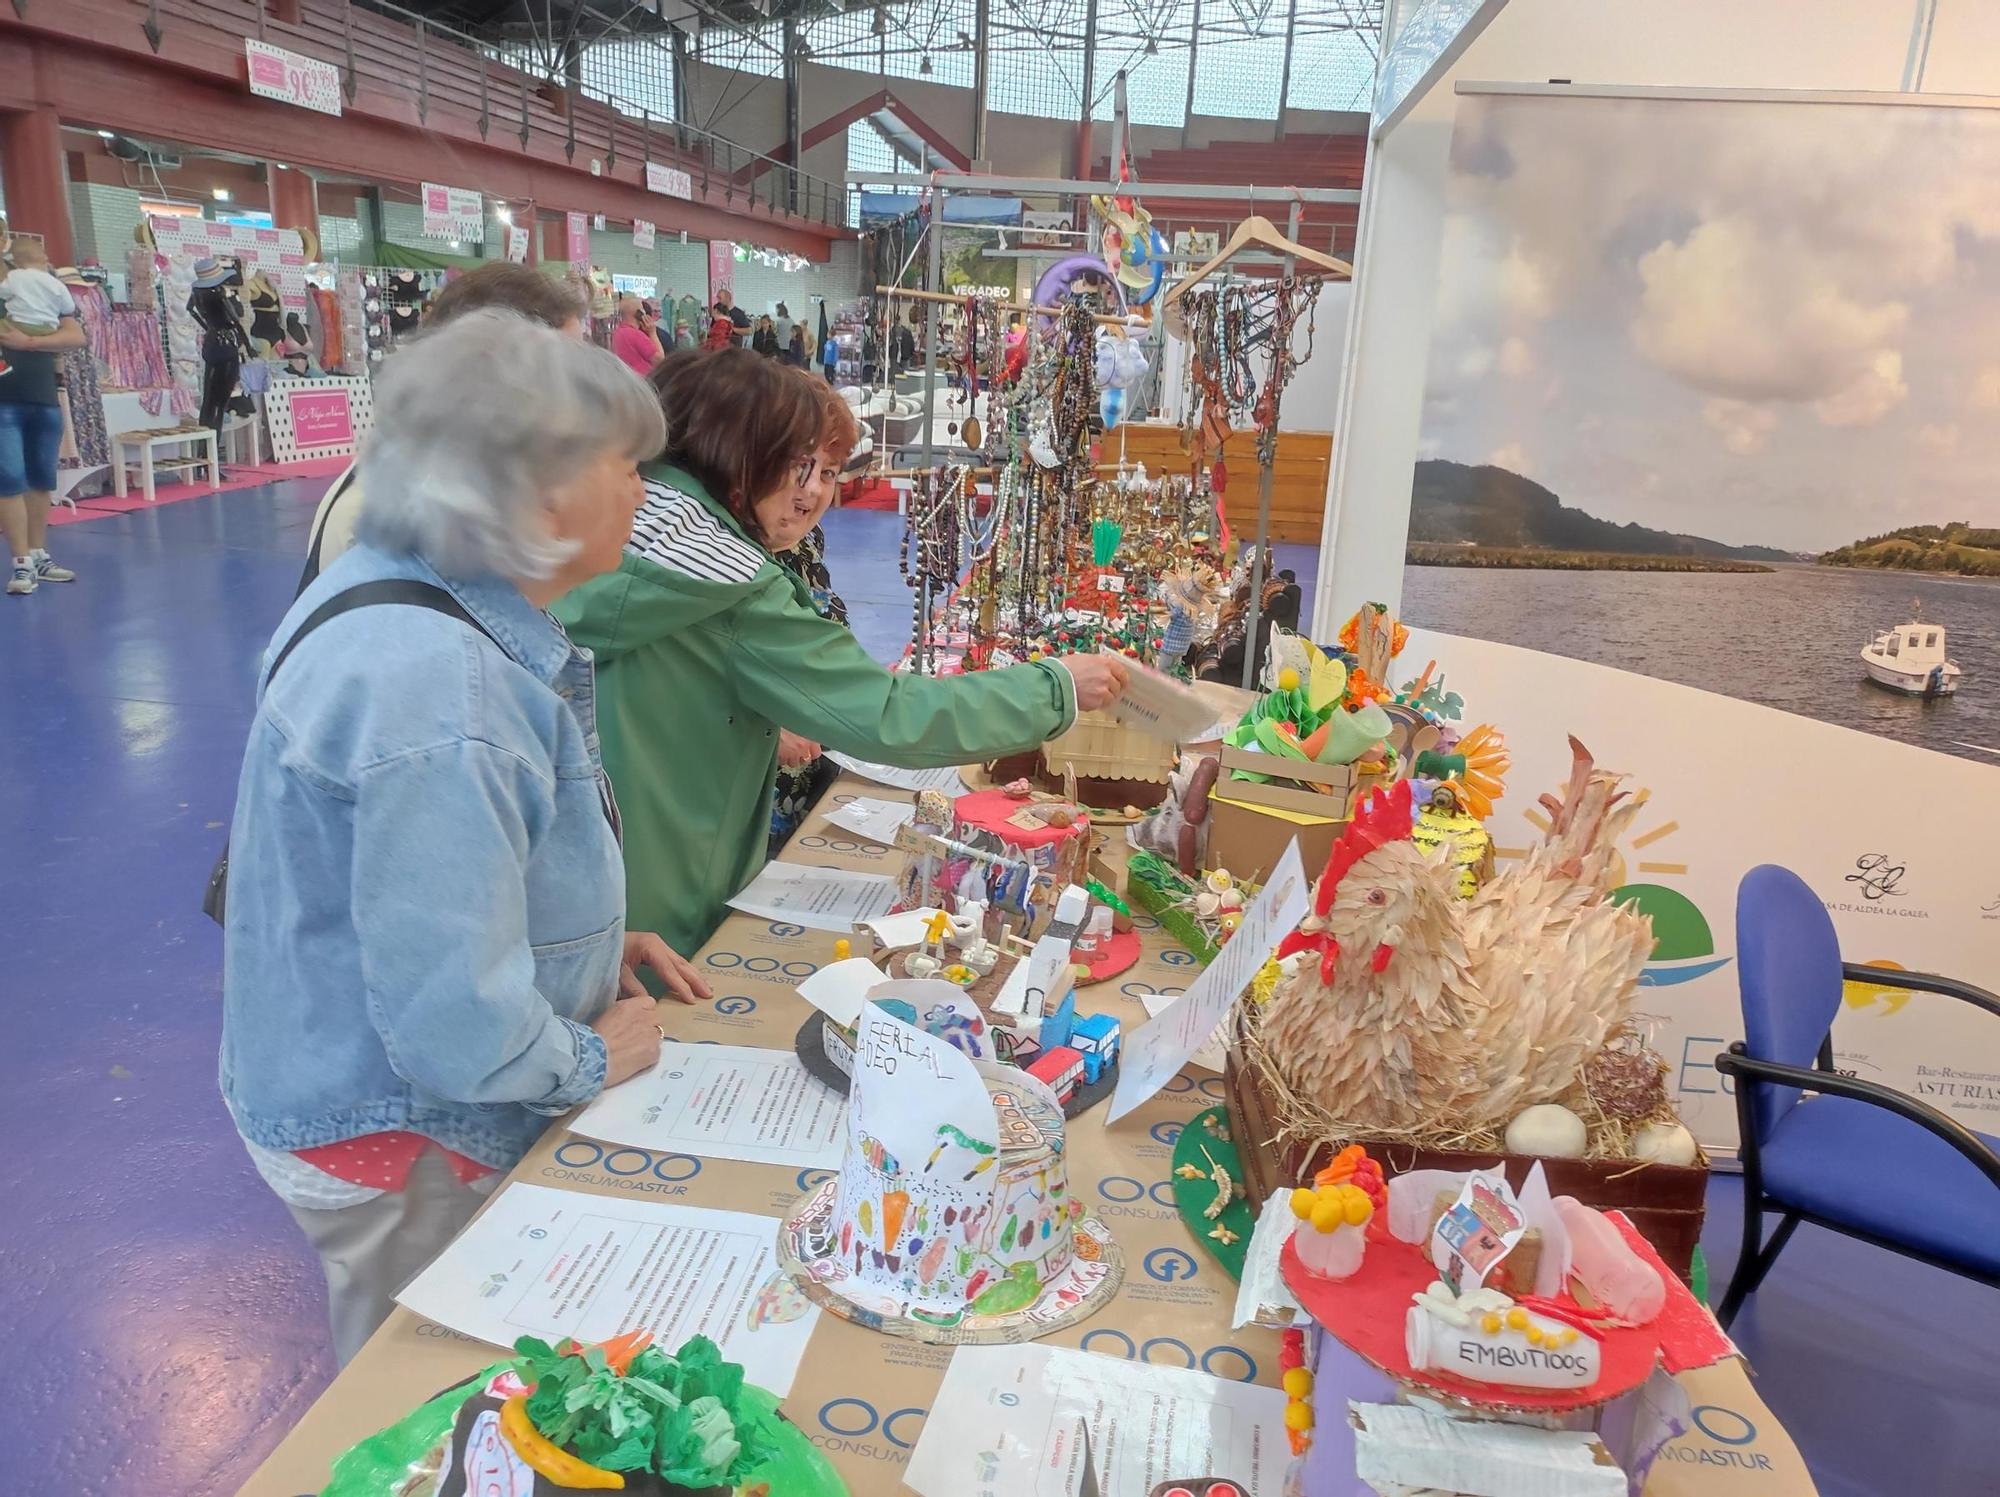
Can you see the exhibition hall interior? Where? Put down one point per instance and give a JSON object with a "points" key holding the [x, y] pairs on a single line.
{"points": [[1048, 748]]}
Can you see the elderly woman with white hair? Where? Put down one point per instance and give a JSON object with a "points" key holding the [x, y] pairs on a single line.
{"points": [[426, 957]]}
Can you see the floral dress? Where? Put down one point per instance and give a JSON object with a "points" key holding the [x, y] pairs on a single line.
{"points": [[799, 790]]}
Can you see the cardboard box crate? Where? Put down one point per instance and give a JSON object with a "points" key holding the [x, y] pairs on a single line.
{"points": [[1246, 839]]}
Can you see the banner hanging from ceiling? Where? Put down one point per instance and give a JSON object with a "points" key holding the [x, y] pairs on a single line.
{"points": [[453, 213]]}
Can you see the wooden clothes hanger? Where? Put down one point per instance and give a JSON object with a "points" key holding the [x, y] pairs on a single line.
{"points": [[1258, 230]]}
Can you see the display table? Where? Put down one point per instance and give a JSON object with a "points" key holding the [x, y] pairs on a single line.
{"points": [[860, 1396], [144, 446]]}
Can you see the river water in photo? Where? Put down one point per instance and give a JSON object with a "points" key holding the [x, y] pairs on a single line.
{"points": [[1790, 638]]}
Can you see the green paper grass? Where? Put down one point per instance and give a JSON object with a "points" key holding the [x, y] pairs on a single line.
{"points": [[1193, 1197]]}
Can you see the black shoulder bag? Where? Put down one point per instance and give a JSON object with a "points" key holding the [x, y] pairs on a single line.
{"points": [[391, 590]]}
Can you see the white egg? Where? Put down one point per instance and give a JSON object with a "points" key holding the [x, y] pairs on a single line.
{"points": [[1550, 1131], [1663, 1143], [1206, 904]]}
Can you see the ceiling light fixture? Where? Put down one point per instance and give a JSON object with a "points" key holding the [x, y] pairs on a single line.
{"points": [[1152, 46], [924, 68], [106, 135], [220, 194], [504, 213]]}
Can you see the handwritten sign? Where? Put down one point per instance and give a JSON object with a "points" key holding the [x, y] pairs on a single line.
{"points": [[291, 78], [642, 234], [721, 266], [517, 244], [577, 231], [668, 181], [453, 213]]}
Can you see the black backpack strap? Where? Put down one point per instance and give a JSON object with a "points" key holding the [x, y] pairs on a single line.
{"points": [[405, 590]]}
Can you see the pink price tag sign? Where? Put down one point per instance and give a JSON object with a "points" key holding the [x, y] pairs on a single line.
{"points": [[321, 418], [291, 77]]}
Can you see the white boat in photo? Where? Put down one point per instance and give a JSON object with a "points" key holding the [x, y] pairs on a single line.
{"points": [[1910, 658]]}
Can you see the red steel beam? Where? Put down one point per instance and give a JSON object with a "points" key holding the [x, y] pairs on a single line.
{"points": [[89, 59]]}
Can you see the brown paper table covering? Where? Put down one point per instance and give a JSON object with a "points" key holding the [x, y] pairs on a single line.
{"points": [[859, 1395]]}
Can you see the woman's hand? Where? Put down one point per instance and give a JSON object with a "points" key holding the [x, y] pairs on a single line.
{"points": [[644, 949], [795, 752], [631, 1038], [68, 334], [1100, 679]]}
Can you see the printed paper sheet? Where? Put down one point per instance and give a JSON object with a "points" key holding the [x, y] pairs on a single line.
{"points": [[723, 1102], [819, 898], [1155, 1055], [877, 820], [552, 1263], [1005, 1424], [946, 780]]}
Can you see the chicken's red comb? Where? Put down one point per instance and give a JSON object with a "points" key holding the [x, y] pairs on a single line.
{"points": [[1383, 818]]}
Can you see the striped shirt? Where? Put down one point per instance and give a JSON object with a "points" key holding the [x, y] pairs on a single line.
{"points": [[677, 532]]}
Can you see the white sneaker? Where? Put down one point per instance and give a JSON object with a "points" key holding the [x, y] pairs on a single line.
{"points": [[47, 571], [23, 580]]}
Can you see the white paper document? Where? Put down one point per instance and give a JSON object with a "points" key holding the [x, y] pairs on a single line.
{"points": [[1214, 1050], [946, 780], [904, 928], [1155, 1054], [819, 898], [1401, 1446], [1159, 706], [554, 1263], [876, 820], [1005, 1424], [840, 988], [723, 1102]]}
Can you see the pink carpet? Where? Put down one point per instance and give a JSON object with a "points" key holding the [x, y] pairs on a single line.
{"points": [[237, 476]]}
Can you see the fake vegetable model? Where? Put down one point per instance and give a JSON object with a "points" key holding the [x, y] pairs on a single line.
{"points": [[619, 1417], [1309, 710], [1415, 1010]]}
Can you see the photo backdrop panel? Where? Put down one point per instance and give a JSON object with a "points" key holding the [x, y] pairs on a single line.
{"points": [[1895, 840], [1680, 399]]}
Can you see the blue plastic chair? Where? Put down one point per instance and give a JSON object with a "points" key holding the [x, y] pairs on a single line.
{"points": [[1855, 1156]]}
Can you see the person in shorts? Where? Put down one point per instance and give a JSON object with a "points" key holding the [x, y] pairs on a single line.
{"points": [[31, 422]]}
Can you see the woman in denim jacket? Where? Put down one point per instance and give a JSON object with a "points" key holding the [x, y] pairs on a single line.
{"points": [[425, 943]]}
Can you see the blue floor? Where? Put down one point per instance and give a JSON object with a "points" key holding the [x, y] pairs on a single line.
{"points": [[165, 1316]]}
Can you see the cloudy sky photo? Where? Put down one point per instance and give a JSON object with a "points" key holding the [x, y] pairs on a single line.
{"points": [[1767, 323]]}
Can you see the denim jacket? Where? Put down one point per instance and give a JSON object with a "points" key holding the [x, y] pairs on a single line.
{"points": [[426, 899]]}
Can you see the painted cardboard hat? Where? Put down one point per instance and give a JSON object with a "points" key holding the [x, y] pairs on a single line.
{"points": [[951, 1218]]}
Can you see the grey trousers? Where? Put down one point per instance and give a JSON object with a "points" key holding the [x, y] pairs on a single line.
{"points": [[369, 1252]]}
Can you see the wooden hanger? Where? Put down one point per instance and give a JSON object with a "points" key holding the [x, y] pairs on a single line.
{"points": [[1259, 230]]}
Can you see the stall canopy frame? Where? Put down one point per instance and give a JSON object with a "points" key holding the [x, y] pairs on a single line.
{"points": [[941, 184]]}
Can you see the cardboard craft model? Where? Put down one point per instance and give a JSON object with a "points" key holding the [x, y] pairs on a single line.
{"points": [[951, 1218]]}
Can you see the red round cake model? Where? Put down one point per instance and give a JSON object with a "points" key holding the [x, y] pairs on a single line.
{"points": [[1053, 836], [1368, 1311]]}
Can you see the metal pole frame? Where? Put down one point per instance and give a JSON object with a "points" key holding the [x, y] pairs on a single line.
{"points": [[1278, 353], [982, 35], [1285, 74]]}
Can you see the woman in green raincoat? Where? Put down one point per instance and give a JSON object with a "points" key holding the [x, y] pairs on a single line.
{"points": [[706, 647]]}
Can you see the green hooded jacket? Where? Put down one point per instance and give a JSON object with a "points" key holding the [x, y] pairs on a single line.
{"points": [[706, 647]]}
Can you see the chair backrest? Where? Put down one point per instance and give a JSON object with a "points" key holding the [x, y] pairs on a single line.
{"points": [[1788, 972]]}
